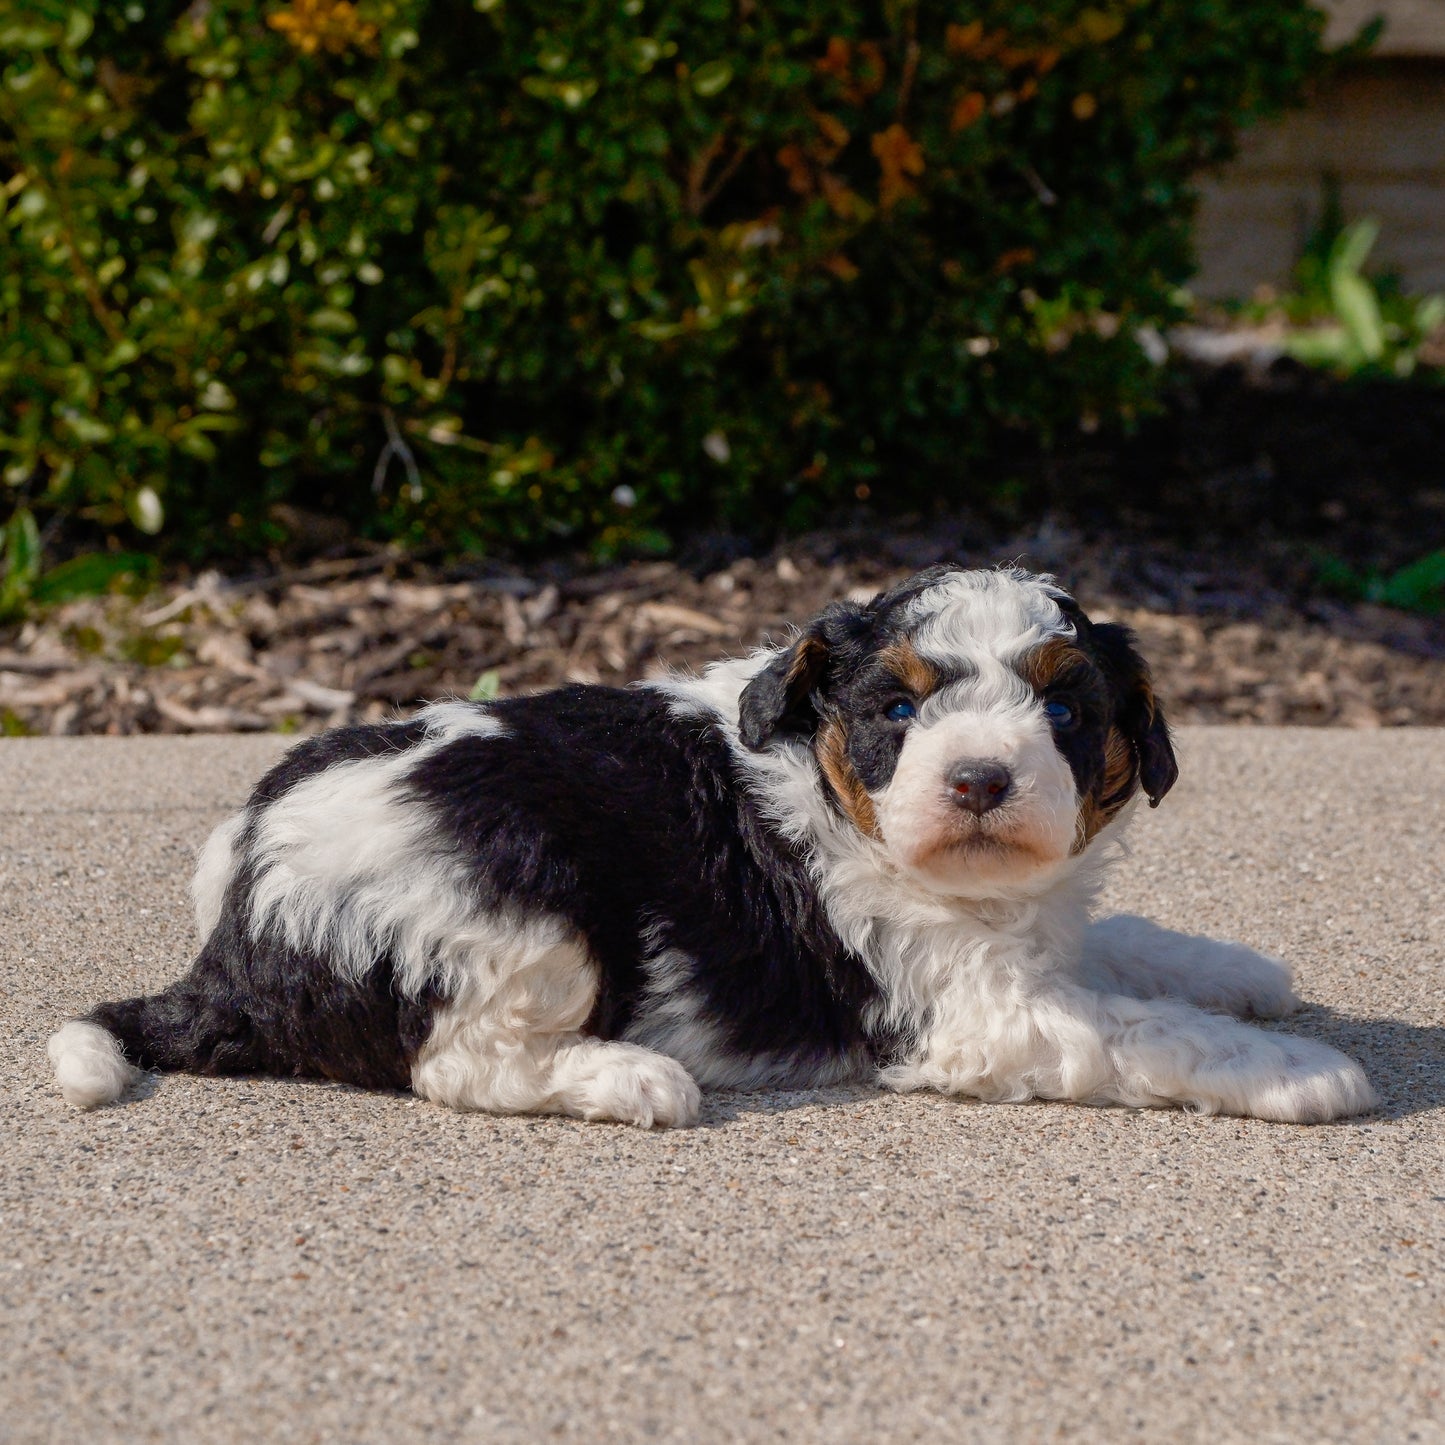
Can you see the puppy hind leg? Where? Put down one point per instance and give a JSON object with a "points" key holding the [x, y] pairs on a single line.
{"points": [[586, 1078], [1127, 955], [516, 1046], [98, 1058]]}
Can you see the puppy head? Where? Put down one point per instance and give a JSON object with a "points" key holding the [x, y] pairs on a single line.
{"points": [[976, 724]]}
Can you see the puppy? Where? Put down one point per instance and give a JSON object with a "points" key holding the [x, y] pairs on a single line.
{"points": [[870, 854]]}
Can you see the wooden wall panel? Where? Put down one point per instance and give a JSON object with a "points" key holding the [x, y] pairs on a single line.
{"points": [[1412, 27], [1380, 131]]}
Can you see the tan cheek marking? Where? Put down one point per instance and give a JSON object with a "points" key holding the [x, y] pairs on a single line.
{"points": [[847, 786], [1119, 767], [1120, 771], [1039, 668], [1151, 703], [918, 676]]}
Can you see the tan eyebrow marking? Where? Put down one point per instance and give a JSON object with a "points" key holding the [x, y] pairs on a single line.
{"points": [[1046, 661], [903, 661]]}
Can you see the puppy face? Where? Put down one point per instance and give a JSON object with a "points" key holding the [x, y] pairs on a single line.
{"points": [[976, 724]]}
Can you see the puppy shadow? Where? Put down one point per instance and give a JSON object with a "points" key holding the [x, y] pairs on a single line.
{"points": [[727, 1106], [146, 1087], [1405, 1062]]}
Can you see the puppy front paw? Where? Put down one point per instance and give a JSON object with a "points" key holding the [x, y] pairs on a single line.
{"points": [[1298, 1081], [1132, 956], [632, 1085]]}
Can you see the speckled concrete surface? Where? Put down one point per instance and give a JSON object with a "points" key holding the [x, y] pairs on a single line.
{"points": [[245, 1260]]}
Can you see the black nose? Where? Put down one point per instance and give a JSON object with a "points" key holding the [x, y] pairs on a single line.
{"points": [[979, 785]]}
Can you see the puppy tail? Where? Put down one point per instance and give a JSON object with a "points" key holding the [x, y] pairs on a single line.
{"points": [[90, 1065], [98, 1058]]}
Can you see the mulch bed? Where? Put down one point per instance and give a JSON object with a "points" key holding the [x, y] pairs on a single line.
{"points": [[1236, 637], [1206, 530]]}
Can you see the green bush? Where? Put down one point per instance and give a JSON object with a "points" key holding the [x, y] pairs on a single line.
{"points": [[509, 272]]}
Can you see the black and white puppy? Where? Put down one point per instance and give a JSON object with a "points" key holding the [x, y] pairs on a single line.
{"points": [[872, 854]]}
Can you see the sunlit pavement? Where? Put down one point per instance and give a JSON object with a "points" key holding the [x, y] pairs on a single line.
{"points": [[255, 1259]]}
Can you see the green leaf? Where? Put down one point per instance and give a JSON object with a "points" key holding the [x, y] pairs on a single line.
{"points": [[1429, 314], [22, 546], [22, 550], [86, 429], [1353, 247], [23, 35], [90, 574], [332, 321], [575, 93], [145, 506], [121, 354], [1358, 308], [1420, 587], [711, 77], [77, 29], [1320, 346], [22, 562], [194, 443], [486, 687]]}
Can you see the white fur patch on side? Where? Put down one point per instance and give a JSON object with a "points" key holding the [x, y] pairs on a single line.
{"points": [[214, 866], [89, 1066], [348, 866]]}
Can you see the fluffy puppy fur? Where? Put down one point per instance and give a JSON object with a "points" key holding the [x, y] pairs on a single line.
{"points": [[872, 853]]}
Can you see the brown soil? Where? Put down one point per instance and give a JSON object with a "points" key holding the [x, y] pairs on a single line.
{"points": [[1242, 638]]}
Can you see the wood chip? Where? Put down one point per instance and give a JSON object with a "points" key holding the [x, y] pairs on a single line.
{"points": [[668, 614]]}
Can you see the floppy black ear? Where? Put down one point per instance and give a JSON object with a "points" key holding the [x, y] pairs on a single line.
{"points": [[782, 697], [1137, 711]]}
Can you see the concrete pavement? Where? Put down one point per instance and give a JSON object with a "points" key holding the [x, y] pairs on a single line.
{"points": [[242, 1260]]}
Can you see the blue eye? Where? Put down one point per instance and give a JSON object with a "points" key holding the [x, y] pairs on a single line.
{"points": [[1059, 713], [902, 711]]}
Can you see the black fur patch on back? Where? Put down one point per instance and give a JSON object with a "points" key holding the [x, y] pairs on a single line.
{"points": [[597, 806], [602, 807]]}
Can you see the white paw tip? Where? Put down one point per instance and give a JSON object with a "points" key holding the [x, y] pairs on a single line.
{"points": [[649, 1090], [89, 1065], [1317, 1096]]}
